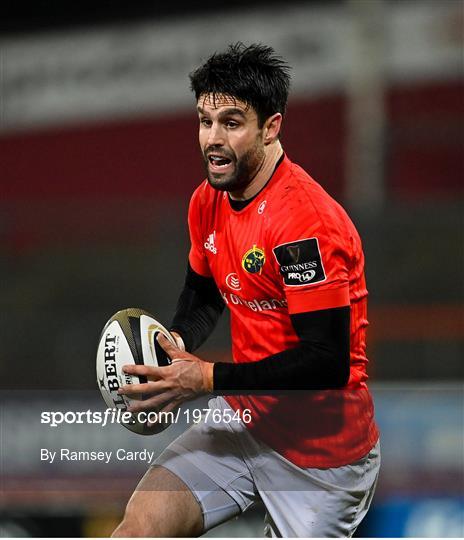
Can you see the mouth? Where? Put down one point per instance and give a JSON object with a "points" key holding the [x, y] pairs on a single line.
{"points": [[218, 162]]}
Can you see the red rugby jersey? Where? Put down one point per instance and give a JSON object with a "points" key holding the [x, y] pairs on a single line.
{"points": [[293, 249]]}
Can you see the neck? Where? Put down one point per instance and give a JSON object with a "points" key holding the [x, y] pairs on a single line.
{"points": [[272, 153]]}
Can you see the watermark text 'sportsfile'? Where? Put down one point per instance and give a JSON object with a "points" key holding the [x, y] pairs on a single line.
{"points": [[119, 416]]}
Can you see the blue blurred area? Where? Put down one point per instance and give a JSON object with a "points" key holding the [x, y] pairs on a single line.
{"points": [[426, 517], [421, 427]]}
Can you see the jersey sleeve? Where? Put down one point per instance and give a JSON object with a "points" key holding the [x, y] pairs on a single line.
{"points": [[312, 255], [197, 257]]}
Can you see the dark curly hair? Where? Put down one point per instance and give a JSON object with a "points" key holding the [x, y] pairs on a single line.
{"points": [[253, 74]]}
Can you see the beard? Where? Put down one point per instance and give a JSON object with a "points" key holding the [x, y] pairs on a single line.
{"points": [[244, 169]]}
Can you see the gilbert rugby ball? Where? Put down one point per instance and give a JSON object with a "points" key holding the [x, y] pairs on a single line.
{"points": [[129, 337]]}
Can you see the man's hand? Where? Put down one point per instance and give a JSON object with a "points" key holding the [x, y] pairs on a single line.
{"points": [[186, 378]]}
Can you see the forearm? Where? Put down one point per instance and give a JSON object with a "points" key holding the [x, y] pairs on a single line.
{"points": [[198, 310], [293, 369], [321, 361]]}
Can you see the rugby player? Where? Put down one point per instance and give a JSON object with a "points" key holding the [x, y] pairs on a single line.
{"points": [[296, 426]]}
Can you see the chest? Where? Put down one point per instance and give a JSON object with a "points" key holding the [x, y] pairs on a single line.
{"points": [[238, 247]]}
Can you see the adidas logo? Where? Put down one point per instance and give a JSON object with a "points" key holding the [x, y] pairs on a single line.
{"points": [[210, 243]]}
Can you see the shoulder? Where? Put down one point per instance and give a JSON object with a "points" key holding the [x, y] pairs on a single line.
{"points": [[301, 203], [203, 197], [201, 193]]}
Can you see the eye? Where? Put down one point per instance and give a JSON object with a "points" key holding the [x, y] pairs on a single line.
{"points": [[205, 122], [232, 124]]}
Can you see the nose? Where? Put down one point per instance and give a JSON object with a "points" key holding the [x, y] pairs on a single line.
{"points": [[216, 135]]}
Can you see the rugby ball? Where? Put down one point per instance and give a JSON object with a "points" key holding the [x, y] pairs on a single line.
{"points": [[129, 337]]}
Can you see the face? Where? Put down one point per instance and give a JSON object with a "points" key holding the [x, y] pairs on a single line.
{"points": [[231, 142]]}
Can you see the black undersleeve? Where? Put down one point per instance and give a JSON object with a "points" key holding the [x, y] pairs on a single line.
{"points": [[198, 309], [321, 361]]}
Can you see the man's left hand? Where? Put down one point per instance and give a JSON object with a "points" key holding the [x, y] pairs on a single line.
{"points": [[185, 378]]}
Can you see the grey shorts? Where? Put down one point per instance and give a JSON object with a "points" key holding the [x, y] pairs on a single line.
{"points": [[228, 470]]}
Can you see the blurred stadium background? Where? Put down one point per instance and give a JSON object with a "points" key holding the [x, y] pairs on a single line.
{"points": [[98, 158]]}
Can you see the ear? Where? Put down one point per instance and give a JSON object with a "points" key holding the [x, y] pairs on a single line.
{"points": [[272, 128]]}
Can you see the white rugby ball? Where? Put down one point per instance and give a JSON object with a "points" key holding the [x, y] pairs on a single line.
{"points": [[129, 337]]}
